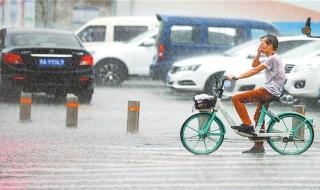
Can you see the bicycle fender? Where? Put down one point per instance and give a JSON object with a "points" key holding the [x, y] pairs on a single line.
{"points": [[308, 120]]}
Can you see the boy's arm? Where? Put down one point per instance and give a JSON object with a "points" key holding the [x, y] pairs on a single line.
{"points": [[256, 61], [252, 71]]}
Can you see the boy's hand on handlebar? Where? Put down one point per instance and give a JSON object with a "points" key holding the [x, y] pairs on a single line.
{"points": [[231, 77]]}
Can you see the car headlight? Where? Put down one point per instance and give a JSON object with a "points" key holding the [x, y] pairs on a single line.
{"points": [[306, 67], [189, 68]]}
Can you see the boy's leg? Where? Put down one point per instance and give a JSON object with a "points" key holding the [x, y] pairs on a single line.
{"points": [[256, 95], [258, 145], [265, 97], [257, 114]]}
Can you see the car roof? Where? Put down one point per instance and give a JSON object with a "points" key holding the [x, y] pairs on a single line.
{"points": [[122, 19], [37, 30], [216, 21]]}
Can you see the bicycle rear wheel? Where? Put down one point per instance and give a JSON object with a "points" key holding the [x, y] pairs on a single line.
{"points": [[301, 134], [197, 141]]}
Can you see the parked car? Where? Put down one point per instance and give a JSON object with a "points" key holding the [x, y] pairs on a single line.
{"points": [[43, 60], [116, 62], [302, 57], [114, 29], [303, 80], [182, 37], [198, 73]]}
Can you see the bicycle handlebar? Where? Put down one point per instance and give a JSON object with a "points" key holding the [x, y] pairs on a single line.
{"points": [[220, 88]]}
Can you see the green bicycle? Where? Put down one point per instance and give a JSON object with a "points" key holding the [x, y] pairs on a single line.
{"points": [[288, 133]]}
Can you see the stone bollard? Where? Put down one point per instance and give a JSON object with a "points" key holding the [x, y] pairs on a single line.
{"points": [[296, 122], [72, 110], [133, 116], [25, 106]]}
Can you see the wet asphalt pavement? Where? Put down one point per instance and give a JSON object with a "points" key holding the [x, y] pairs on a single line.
{"points": [[100, 154]]}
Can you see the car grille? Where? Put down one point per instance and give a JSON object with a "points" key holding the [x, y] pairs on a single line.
{"points": [[288, 67], [186, 83]]}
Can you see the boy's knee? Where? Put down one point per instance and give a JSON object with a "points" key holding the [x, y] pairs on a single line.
{"points": [[235, 98]]}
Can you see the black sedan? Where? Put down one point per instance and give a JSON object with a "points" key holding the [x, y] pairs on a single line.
{"points": [[43, 60]]}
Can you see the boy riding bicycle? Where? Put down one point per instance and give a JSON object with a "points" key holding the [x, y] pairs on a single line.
{"points": [[275, 79]]}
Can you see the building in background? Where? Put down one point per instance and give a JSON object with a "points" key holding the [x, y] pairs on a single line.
{"points": [[17, 13], [52, 13]]}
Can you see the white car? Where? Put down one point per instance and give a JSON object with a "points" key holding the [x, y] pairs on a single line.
{"points": [[303, 79], [197, 74], [301, 66], [115, 62]]}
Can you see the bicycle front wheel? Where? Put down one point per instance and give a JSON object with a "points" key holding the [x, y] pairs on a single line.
{"points": [[198, 141], [300, 132]]}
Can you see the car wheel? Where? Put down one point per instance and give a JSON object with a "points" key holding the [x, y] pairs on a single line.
{"points": [[212, 83], [110, 72], [287, 99], [85, 95]]}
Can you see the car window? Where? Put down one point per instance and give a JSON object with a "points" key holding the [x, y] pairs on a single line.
{"points": [[126, 33], [289, 45], [142, 37], [184, 34], [257, 33], [249, 48], [242, 48], [44, 40], [93, 34], [223, 36], [302, 50]]}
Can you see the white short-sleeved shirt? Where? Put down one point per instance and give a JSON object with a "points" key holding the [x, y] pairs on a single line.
{"points": [[275, 75]]}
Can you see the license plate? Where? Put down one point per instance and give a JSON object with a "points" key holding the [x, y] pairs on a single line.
{"points": [[51, 62]]}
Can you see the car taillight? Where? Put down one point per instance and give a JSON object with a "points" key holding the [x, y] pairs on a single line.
{"points": [[84, 79], [86, 60], [161, 52], [12, 58]]}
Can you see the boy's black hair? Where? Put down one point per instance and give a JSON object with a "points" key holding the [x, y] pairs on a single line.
{"points": [[271, 39]]}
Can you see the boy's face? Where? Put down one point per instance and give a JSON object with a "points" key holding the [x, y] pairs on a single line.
{"points": [[264, 47]]}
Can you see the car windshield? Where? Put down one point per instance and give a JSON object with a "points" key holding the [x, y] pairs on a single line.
{"points": [[302, 50], [141, 37], [44, 40], [245, 48]]}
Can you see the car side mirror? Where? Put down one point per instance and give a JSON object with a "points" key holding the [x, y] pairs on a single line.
{"points": [[307, 30], [149, 42]]}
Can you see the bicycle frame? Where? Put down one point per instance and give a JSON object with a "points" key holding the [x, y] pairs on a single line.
{"points": [[264, 112]]}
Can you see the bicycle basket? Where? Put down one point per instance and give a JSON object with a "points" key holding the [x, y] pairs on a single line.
{"points": [[204, 101]]}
